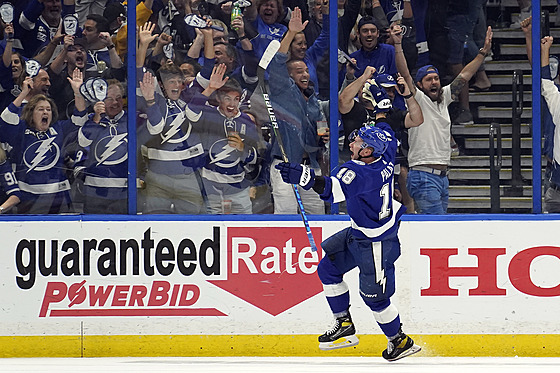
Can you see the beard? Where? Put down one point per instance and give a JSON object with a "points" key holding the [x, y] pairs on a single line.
{"points": [[434, 96]]}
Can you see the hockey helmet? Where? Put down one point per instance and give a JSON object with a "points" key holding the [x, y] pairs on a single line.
{"points": [[373, 137], [377, 96]]}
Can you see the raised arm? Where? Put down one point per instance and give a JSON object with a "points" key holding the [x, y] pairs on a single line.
{"points": [[526, 27], [75, 83], [414, 117], [7, 56], [548, 88], [472, 67], [27, 86], [296, 25], [163, 40], [546, 43], [346, 98], [197, 45], [60, 61], [45, 55], [395, 33], [217, 79], [145, 37], [116, 62]]}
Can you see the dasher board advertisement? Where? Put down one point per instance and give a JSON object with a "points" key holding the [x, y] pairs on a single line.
{"points": [[258, 278]]}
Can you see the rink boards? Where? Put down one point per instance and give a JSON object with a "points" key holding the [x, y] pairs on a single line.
{"points": [[84, 287]]}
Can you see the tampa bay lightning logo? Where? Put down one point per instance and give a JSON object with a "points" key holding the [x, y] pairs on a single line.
{"points": [[381, 136], [112, 150], [223, 155], [174, 128], [275, 31], [42, 155]]}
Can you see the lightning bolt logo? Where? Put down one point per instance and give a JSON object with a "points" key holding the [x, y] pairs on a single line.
{"points": [[110, 149], [226, 151], [175, 126], [378, 262], [40, 155]]}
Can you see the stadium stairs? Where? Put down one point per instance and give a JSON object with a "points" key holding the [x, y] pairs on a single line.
{"points": [[469, 178]]}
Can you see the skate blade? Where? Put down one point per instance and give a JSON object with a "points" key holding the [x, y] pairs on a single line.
{"points": [[411, 351], [342, 342]]}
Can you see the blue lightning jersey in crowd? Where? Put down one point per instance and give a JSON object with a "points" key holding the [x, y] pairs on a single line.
{"points": [[265, 34], [368, 190], [32, 31], [172, 146], [225, 164], [8, 181], [38, 155], [104, 152]]}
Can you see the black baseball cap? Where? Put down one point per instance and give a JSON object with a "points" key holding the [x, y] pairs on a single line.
{"points": [[113, 11]]}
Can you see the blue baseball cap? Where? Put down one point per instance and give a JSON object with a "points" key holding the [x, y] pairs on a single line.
{"points": [[425, 70], [386, 80]]}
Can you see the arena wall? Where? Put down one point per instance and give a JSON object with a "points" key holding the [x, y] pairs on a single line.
{"points": [[77, 286]]}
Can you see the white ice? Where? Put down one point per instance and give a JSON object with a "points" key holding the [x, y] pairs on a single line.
{"points": [[283, 364]]}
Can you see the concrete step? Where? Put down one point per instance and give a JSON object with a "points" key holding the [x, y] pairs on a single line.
{"points": [[505, 97], [503, 66], [501, 113], [470, 161], [526, 143], [484, 174], [482, 129], [500, 79], [551, 17], [517, 34], [519, 49], [482, 191], [484, 203]]}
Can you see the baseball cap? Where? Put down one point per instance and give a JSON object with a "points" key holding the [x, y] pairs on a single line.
{"points": [[425, 70], [367, 20], [81, 41], [386, 80], [113, 11]]}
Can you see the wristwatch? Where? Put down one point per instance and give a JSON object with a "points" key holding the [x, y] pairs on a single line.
{"points": [[1, 210], [483, 53]]}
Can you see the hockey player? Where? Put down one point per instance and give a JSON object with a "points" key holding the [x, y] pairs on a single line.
{"points": [[230, 138], [371, 242]]}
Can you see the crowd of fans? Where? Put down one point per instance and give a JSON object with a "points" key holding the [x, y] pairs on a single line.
{"points": [[204, 139]]}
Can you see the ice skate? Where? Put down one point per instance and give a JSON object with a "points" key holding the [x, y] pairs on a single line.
{"points": [[400, 346], [342, 334]]}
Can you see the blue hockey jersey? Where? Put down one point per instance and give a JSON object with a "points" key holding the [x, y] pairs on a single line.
{"points": [[8, 181], [32, 31], [225, 164], [368, 190], [38, 155], [172, 146], [104, 148]]}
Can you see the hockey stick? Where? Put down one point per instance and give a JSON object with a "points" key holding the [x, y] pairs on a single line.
{"points": [[263, 64]]}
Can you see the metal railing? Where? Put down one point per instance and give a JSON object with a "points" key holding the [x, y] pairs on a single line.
{"points": [[516, 188], [495, 142]]}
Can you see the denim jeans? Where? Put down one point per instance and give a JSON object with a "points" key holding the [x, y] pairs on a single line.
{"points": [[430, 192]]}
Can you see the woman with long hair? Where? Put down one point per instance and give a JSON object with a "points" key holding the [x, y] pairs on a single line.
{"points": [[36, 138]]}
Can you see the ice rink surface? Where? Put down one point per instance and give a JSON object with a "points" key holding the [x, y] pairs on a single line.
{"points": [[283, 364]]}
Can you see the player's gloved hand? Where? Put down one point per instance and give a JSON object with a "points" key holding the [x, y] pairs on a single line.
{"points": [[293, 173]]}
